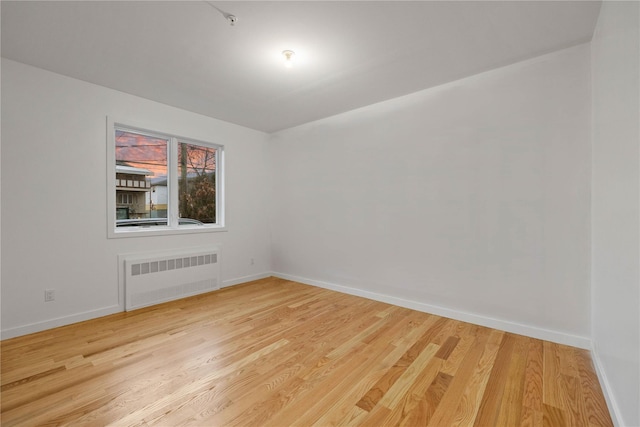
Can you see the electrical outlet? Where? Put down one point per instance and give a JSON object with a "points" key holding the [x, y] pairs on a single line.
{"points": [[49, 295]]}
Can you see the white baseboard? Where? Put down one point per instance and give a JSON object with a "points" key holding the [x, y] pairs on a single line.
{"points": [[244, 279], [516, 328], [513, 327], [614, 410], [92, 314], [59, 321]]}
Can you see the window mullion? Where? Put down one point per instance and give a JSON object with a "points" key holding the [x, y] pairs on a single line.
{"points": [[219, 186], [172, 182]]}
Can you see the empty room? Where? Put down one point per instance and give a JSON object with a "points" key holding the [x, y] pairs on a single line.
{"points": [[318, 213]]}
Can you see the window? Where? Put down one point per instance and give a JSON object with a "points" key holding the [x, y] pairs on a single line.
{"points": [[163, 183]]}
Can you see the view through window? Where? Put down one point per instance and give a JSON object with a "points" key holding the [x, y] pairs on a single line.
{"points": [[145, 183], [141, 176], [197, 183]]}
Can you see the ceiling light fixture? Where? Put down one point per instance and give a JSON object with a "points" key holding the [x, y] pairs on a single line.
{"points": [[289, 56]]}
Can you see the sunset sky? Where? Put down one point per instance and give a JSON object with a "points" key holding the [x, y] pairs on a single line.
{"points": [[150, 153], [142, 151]]}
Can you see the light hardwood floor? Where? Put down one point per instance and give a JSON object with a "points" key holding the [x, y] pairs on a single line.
{"points": [[279, 353]]}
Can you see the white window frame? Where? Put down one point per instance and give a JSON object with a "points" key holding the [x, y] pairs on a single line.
{"points": [[172, 226]]}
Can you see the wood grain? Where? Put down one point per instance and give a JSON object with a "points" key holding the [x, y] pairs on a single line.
{"points": [[278, 353], [491, 404]]}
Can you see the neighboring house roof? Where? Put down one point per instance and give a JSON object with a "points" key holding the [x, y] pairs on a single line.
{"points": [[162, 180], [132, 170], [159, 181]]}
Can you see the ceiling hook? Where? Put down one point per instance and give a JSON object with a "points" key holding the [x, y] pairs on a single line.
{"points": [[232, 19]]}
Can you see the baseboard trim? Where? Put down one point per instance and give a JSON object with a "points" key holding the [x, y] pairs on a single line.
{"points": [[614, 410], [58, 321], [93, 314], [516, 328], [244, 279], [513, 327]]}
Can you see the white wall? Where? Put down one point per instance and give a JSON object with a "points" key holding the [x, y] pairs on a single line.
{"points": [[54, 211], [471, 199], [616, 207]]}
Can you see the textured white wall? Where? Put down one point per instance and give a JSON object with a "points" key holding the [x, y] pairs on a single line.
{"points": [[473, 197], [616, 206], [54, 231]]}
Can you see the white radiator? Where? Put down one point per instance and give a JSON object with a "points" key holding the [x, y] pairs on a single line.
{"points": [[158, 277]]}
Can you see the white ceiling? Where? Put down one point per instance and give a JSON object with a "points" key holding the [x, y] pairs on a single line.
{"points": [[349, 54]]}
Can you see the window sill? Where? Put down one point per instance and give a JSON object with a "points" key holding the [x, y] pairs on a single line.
{"points": [[163, 231]]}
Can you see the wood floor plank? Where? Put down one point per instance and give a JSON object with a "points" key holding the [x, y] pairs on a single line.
{"points": [[198, 386], [469, 405], [377, 392], [275, 352], [344, 409], [354, 417], [427, 404], [416, 406], [568, 362], [418, 329], [446, 412], [395, 394], [552, 416], [340, 413], [467, 334], [489, 410], [331, 407], [594, 403], [552, 376], [376, 417], [532, 396], [531, 417], [447, 347], [247, 408], [573, 402], [511, 409]]}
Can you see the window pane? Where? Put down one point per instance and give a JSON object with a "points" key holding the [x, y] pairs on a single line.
{"points": [[141, 179], [197, 183]]}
